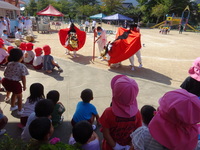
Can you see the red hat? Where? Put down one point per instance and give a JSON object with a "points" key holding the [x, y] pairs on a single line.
{"points": [[38, 51], [1, 43], [9, 48], [29, 46], [47, 50], [22, 46]]}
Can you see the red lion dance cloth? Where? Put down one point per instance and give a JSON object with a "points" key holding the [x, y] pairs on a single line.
{"points": [[123, 48], [64, 36]]}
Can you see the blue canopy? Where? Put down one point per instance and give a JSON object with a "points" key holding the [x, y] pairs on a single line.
{"points": [[117, 17], [98, 16]]}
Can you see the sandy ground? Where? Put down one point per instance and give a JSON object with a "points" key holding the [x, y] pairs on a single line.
{"points": [[166, 58]]}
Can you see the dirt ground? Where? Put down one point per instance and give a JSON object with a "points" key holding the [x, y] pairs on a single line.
{"points": [[166, 58]]}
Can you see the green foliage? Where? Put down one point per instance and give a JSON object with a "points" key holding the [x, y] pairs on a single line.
{"points": [[31, 9], [87, 10], [8, 143], [111, 6], [159, 10], [85, 2]]}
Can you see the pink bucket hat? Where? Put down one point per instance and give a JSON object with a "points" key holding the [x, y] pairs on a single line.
{"points": [[194, 71], [175, 123], [125, 91]]}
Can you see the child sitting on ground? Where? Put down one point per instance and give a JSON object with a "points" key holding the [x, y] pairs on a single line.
{"points": [[43, 108], [174, 126], [29, 54], [192, 83], [59, 109], [5, 38], [3, 54], [123, 117], [36, 94], [147, 113], [40, 129], [85, 110], [38, 59], [22, 46], [13, 74], [83, 134], [3, 122], [49, 63]]}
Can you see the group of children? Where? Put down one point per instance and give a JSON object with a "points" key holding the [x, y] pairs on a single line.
{"points": [[175, 121], [31, 56]]}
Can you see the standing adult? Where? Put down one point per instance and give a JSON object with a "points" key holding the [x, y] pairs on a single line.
{"points": [[28, 26], [93, 24], [2, 25], [8, 25], [20, 24], [135, 28], [87, 24], [101, 40]]}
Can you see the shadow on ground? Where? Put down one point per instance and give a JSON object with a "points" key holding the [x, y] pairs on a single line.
{"points": [[143, 73], [81, 59]]}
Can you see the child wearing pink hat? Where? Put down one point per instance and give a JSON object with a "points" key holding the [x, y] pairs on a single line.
{"points": [[38, 59], [174, 125], [49, 63], [192, 83], [29, 54], [123, 117]]}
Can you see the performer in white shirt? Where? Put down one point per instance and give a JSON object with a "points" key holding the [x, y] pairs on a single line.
{"points": [[28, 26], [18, 35]]}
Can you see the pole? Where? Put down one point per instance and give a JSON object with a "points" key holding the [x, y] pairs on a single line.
{"points": [[94, 45]]}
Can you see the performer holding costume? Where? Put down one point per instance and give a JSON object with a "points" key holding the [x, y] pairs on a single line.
{"points": [[101, 40], [127, 43], [38, 59], [72, 38]]}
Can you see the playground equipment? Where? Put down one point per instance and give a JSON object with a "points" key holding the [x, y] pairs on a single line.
{"points": [[172, 20]]}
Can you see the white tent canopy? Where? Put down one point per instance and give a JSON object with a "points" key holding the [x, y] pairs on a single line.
{"points": [[8, 6]]}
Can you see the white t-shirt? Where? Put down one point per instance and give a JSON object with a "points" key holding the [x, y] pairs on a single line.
{"points": [[37, 60], [28, 23], [25, 134], [87, 24], [18, 35], [94, 23], [29, 108], [29, 56]]}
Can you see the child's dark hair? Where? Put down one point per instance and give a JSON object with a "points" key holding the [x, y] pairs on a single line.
{"points": [[54, 96], [36, 92], [4, 31], [44, 108], [147, 113], [99, 28], [15, 55], [87, 95], [133, 25], [82, 131], [39, 128]]}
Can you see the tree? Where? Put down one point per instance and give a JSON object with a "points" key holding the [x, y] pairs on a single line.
{"points": [[31, 9], [87, 10], [111, 6], [158, 11], [85, 2]]}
